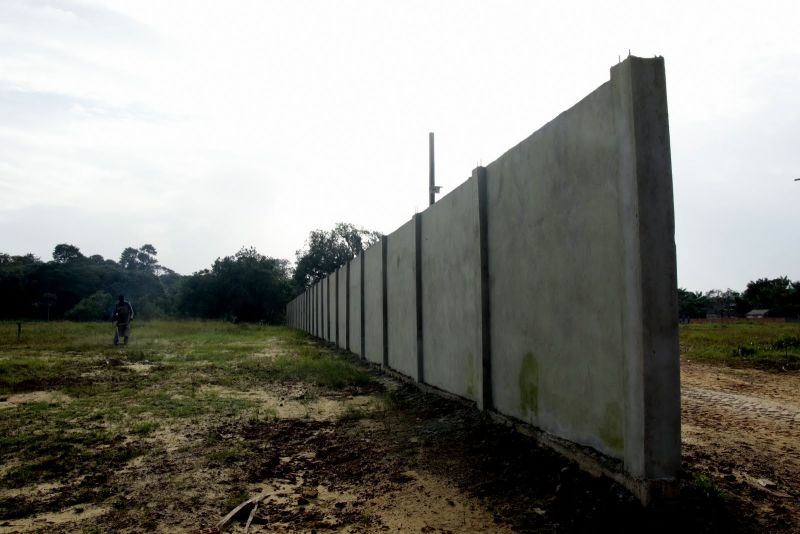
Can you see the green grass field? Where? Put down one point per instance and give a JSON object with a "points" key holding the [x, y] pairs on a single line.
{"points": [[182, 422], [765, 344], [74, 408]]}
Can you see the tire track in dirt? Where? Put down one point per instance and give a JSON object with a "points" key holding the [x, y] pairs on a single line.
{"points": [[741, 427], [747, 407]]}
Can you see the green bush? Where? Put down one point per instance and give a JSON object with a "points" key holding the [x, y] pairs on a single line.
{"points": [[95, 307]]}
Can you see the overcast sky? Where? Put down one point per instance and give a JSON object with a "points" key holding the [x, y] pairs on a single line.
{"points": [[202, 127]]}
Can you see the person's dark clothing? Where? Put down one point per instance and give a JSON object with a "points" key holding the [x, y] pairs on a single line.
{"points": [[122, 317]]}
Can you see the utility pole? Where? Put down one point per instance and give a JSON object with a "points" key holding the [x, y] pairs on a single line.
{"points": [[432, 187]]}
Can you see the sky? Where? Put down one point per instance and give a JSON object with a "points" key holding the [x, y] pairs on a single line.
{"points": [[205, 127]]}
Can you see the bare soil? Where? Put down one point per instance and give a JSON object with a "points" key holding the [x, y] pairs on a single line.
{"points": [[741, 429], [386, 457]]}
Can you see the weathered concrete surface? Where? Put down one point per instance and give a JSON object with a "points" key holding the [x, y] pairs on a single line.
{"points": [[401, 298], [355, 306], [319, 308], [581, 305], [313, 323], [566, 287], [650, 324], [373, 304], [555, 278], [450, 292], [341, 309], [325, 314], [332, 280]]}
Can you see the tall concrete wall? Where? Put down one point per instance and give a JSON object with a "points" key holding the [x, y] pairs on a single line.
{"points": [[341, 309], [354, 291], [544, 287], [373, 303], [557, 343], [334, 308], [450, 292], [401, 300], [325, 309], [317, 297]]}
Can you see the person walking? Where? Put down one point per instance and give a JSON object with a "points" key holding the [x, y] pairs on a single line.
{"points": [[122, 317]]}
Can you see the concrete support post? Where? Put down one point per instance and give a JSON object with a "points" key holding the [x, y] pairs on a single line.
{"points": [[418, 294], [485, 398], [652, 446], [385, 310], [315, 310], [328, 307]]}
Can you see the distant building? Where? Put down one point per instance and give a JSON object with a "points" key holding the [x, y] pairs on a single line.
{"points": [[756, 314]]}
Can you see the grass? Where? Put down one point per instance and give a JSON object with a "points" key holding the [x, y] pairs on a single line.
{"points": [[105, 406], [708, 488], [102, 406], [765, 344]]}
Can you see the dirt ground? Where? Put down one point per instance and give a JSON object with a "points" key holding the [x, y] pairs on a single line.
{"points": [[741, 428], [386, 457]]}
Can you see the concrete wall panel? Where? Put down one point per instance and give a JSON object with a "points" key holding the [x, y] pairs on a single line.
{"points": [[555, 264], [341, 308], [325, 314], [317, 309], [568, 243], [451, 293], [373, 303], [401, 299], [355, 306], [332, 309]]}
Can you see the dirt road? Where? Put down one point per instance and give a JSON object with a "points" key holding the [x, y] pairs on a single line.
{"points": [[741, 427]]}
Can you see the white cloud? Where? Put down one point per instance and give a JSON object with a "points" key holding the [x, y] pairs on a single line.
{"points": [[252, 123]]}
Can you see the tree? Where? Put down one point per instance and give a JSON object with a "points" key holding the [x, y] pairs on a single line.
{"points": [[722, 303], [244, 287], [31, 288], [64, 253], [141, 259], [95, 307], [779, 295], [326, 250], [691, 304]]}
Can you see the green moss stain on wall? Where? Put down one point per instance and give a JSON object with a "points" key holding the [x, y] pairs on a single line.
{"points": [[471, 376], [611, 427], [529, 385]]}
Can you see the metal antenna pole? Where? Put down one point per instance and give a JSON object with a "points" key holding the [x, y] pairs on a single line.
{"points": [[431, 172]]}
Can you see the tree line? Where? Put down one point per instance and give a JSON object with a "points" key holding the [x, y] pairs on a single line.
{"points": [[780, 296], [246, 286]]}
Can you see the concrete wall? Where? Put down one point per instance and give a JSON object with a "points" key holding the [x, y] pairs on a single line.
{"points": [[354, 290], [325, 315], [373, 303], [450, 295], [318, 309], [341, 310], [401, 300], [544, 287], [333, 310], [557, 353]]}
